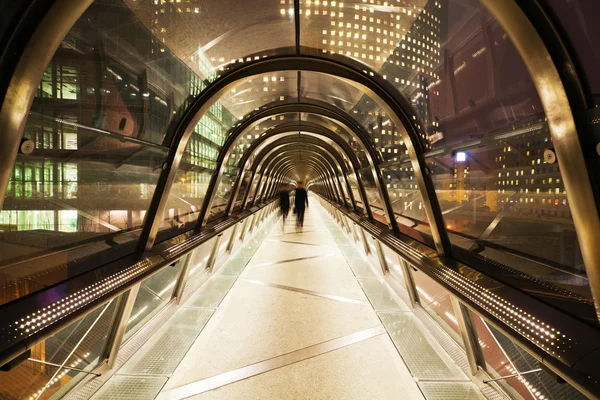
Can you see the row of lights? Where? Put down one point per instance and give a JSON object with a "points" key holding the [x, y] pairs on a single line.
{"points": [[47, 315]]}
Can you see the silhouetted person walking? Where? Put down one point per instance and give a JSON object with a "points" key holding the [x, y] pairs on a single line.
{"points": [[300, 202], [284, 202]]}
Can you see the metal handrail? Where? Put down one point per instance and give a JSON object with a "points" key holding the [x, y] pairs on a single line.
{"points": [[514, 313], [94, 288]]}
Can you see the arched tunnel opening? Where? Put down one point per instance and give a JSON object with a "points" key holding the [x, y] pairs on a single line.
{"points": [[449, 149]]}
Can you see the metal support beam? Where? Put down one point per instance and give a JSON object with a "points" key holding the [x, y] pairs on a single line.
{"points": [[250, 190], [468, 332], [409, 282], [352, 226], [244, 229], [118, 325], [183, 277], [288, 133], [232, 238], [381, 256], [364, 240], [214, 253]]}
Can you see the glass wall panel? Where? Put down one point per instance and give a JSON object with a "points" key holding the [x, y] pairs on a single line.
{"points": [[480, 113], [244, 186], [113, 73], [253, 189], [436, 301], [503, 357], [327, 123], [257, 91], [225, 237], [212, 34], [329, 89], [406, 199], [480, 120], [381, 131], [187, 194], [79, 185], [79, 345], [223, 194], [375, 202], [198, 261], [579, 19], [355, 190], [155, 292]]}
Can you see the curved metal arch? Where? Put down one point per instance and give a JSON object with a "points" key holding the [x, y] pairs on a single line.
{"points": [[369, 82], [267, 180], [321, 146], [351, 126], [274, 162], [274, 146], [307, 140], [291, 129], [318, 149], [314, 129], [305, 106], [287, 167], [348, 123]]}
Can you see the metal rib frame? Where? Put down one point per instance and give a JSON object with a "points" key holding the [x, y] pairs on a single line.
{"points": [[279, 160], [282, 144], [289, 138], [315, 129], [365, 80], [315, 107], [333, 177], [281, 132]]}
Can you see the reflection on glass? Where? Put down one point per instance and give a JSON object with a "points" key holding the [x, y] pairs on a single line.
{"points": [[198, 261], [197, 165], [79, 185], [355, 191], [154, 293], [436, 301], [503, 357], [212, 34], [373, 197], [406, 199], [223, 194], [579, 18], [79, 345]]}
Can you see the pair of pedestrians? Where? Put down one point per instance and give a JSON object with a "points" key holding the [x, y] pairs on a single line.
{"points": [[300, 203]]}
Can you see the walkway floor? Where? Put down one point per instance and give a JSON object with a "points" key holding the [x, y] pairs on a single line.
{"points": [[294, 323]]}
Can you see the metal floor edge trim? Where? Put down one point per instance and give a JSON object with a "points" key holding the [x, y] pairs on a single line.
{"points": [[443, 339], [91, 384]]}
